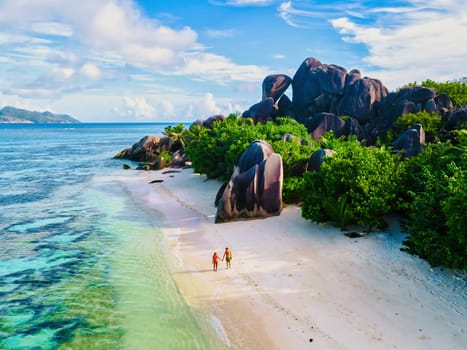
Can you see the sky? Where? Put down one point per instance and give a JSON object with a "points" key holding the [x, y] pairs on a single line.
{"points": [[182, 60]]}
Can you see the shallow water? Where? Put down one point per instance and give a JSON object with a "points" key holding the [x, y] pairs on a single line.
{"points": [[81, 264]]}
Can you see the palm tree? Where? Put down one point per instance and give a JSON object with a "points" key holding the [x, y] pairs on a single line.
{"points": [[177, 134]]}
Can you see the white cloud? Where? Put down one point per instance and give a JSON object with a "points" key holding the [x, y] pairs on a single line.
{"points": [[14, 101], [61, 57], [220, 69], [250, 2], [93, 36], [136, 107], [49, 85], [286, 14], [244, 2], [52, 28], [14, 38], [91, 71], [119, 28], [249, 88], [410, 42], [34, 93], [167, 109], [221, 33], [278, 56], [422, 44], [210, 104], [62, 73], [300, 18], [115, 28]]}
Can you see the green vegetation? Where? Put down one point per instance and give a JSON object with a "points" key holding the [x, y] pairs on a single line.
{"points": [[294, 156], [292, 189], [177, 133], [166, 156], [456, 90], [215, 151], [436, 214], [431, 123], [357, 185], [16, 115]]}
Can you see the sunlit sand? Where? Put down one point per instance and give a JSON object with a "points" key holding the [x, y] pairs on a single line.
{"points": [[296, 284]]}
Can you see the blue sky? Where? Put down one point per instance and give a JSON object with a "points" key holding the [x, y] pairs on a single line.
{"points": [[150, 60]]}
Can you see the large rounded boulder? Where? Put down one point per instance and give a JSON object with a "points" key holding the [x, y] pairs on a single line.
{"points": [[361, 99], [317, 157], [324, 122], [262, 111], [411, 141], [255, 187], [275, 85], [305, 87]]}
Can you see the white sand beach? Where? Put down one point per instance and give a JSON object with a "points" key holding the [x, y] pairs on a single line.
{"points": [[298, 285]]}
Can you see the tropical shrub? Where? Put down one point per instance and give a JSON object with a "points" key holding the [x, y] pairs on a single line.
{"points": [[294, 156], [437, 220], [167, 157], [275, 130], [292, 189], [357, 185], [214, 151], [431, 123], [456, 90]]}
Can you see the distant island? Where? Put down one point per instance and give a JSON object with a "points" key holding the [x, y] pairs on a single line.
{"points": [[16, 115]]}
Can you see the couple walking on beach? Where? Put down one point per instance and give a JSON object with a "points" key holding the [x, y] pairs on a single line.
{"points": [[227, 256]]}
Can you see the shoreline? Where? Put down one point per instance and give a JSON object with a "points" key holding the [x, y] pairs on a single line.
{"points": [[297, 284]]}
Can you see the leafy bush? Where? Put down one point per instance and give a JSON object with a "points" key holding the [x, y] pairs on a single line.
{"points": [[167, 157], [431, 123], [357, 185], [294, 156], [437, 218], [275, 130], [456, 90], [460, 136], [293, 189], [215, 151]]}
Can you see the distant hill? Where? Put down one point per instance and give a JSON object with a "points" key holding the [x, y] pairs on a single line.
{"points": [[16, 115]]}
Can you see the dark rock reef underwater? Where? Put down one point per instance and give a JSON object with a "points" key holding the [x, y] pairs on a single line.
{"points": [[325, 98]]}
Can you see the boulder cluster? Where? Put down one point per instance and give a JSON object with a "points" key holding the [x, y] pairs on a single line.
{"points": [[326, 97], [147, 151]]}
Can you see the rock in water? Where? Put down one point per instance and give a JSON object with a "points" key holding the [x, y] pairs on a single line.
{"points": [[255, 187], [146, 149]]}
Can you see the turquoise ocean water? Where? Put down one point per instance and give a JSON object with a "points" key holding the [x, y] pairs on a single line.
{"points": [[82, 265]]}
